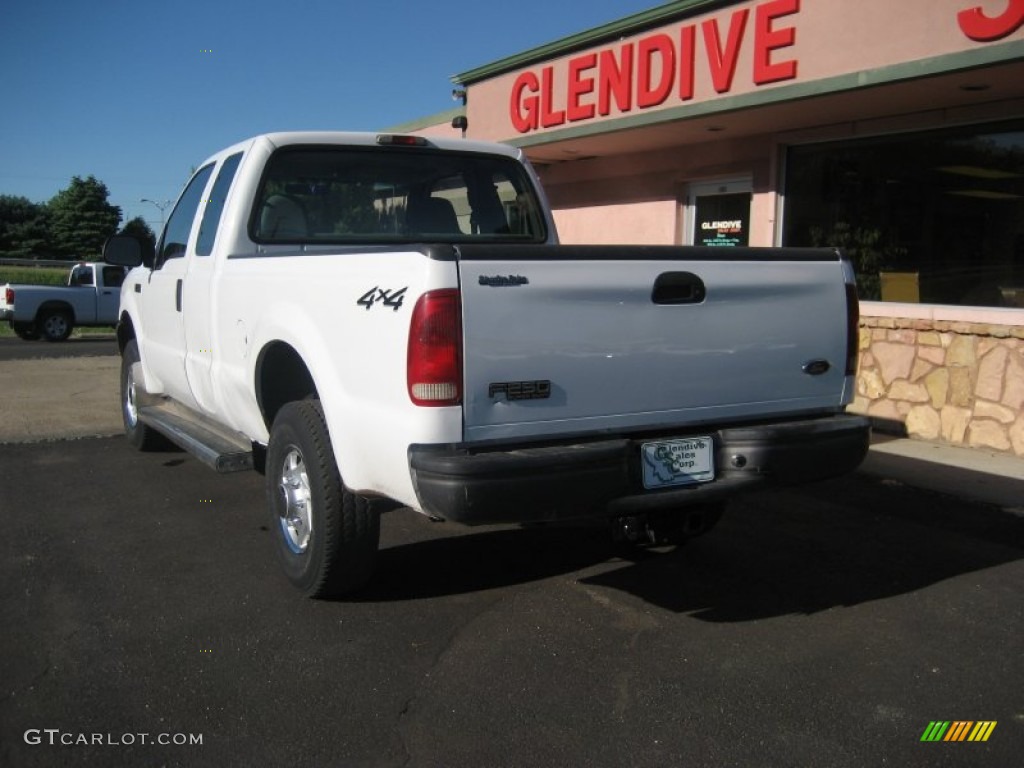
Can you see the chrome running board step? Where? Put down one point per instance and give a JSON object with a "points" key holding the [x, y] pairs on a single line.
{"points": [[221, 449]]}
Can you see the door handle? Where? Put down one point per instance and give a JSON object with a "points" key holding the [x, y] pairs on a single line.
{"points": [[177, 296], [678, 288]]}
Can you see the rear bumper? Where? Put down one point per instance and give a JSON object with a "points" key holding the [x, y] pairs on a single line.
{"points": [[603, 478], [6, 314]]}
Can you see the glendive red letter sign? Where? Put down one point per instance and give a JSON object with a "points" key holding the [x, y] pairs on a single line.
{"points": [[646, 73], [977, 26], [650, 71]]}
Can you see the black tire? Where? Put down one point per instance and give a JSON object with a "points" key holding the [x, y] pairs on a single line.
{"points": [[25, 331], [326, 536], [142, 437], [54, 324]]}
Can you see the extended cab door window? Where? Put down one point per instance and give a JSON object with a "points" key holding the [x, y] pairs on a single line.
{"points": [[113, 277], [175, 236], [108, 294], [215, 205]]}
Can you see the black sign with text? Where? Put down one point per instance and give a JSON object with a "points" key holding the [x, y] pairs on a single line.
{"points": [[722, 220]]}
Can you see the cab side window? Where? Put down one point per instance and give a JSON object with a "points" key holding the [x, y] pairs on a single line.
{"points": [[175, 235], [215, 205], [113, 277]]}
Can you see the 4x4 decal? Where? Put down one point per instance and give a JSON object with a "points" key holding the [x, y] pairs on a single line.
{"points": [[389, 298]]}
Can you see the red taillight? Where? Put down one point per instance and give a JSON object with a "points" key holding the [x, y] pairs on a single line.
{"points": [[434, 363], [9, 296], [852, 329]]}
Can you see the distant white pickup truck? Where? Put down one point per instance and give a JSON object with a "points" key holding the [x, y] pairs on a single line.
{"points": [[90, 298], [381, 320]]}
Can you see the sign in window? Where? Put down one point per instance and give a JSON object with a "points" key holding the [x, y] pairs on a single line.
{"points": [[719, 214]]}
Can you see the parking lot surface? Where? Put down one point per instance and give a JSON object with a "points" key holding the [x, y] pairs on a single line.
{"points": [[90, 345], [824, 626]]}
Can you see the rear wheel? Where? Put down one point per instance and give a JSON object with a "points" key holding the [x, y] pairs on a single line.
{"points": [[25, 331], [326, 535], [54, 324]]}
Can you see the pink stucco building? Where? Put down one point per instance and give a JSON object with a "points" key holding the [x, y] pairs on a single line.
{"points": [[894, 130]]}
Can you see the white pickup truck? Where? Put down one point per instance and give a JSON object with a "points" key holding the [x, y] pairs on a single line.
{"points": [[90, 298], [384, 320]]}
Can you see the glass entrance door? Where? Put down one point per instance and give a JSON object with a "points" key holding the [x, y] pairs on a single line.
{"points": [[718, 213]]}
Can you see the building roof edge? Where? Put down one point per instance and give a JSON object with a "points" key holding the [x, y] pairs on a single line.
{"points": [[615, 29]]}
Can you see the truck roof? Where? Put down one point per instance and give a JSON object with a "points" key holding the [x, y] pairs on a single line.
{"points": [[369, 139]]}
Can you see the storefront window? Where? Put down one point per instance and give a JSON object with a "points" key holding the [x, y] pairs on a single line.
{"points": [[933, 217]]}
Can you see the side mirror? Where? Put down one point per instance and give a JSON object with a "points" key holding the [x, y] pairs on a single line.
{"points": [[127, 251]]}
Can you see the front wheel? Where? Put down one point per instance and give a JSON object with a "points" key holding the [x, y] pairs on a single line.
{"points": [[54, 325], [326, 536]]}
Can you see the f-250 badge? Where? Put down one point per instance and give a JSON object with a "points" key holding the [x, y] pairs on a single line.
{"points": [[388, 298], [520, 390]]}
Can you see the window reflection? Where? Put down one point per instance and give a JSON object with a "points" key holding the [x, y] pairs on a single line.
{"points": [[932, 217]]}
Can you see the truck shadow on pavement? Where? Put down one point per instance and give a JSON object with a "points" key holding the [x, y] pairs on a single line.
{"points": [[839, 543]]}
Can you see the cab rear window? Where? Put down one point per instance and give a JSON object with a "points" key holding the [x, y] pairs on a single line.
{"points": [[352, 195]]}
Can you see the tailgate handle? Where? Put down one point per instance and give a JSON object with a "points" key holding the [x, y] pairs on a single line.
{"points": [[678, 288]]}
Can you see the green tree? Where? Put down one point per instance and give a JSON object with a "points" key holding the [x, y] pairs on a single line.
{"points": [[81, 219], [23, 228], [140, 230]]}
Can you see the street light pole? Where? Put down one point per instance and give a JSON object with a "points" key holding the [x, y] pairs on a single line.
{"points": [[161, 206]]}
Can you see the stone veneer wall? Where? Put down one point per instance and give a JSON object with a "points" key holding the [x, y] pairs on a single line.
{"points": [[957, 382]]}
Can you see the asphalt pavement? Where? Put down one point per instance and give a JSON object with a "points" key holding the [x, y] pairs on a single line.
{"points": [[827, 625], [89, 345]]}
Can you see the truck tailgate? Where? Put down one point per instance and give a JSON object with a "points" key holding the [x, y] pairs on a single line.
{"points": [[574, 340]]}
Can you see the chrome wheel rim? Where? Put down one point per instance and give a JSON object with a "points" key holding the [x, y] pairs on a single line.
{"points": [[296, 502], [131, 411], [55, 326]]}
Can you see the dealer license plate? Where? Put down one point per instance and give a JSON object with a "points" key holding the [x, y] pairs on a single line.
{"points": [[678, 462]]}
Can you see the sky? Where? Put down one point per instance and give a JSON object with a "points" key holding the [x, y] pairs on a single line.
{"points": [[139, 92]]}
